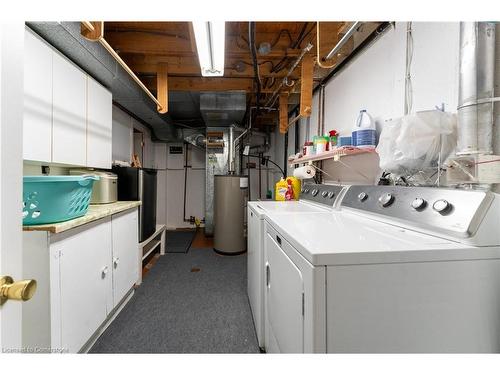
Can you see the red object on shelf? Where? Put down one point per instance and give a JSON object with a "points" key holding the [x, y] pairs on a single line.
{"points": [[289, 191], [333, 133]]}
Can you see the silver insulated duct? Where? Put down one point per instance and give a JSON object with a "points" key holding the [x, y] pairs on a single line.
{"points": [[476, 88], [223, 108]]}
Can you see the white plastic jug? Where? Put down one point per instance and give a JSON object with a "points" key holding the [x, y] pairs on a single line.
{"points": [[364, 132]]}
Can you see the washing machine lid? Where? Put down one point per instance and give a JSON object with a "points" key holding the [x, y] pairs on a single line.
{"points": [[262, 208], [343, 238]]}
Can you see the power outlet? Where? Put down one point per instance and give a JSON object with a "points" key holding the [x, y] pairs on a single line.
{"points": [[45, 169]]}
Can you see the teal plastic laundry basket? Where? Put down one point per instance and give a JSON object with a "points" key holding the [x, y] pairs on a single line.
{"points": [[52, 199]]}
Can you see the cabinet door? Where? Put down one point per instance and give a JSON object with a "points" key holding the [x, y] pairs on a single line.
{"points": [[125, 253], [85, 283], [284, 300], [99, 125], [37, 116], [69, 131]]}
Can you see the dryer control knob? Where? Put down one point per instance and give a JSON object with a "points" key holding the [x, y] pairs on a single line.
{"points": [[306, 191], [362, 196], [386, 199], [324, 194], [442, 206], [331, 195], [314, 192], [418, 203]]}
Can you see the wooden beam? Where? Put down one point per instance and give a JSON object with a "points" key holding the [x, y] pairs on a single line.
{"points": [[283, 112], [168, 45], [162, 87], [92, 30], [192, 38], [176, 83], [189, 66], [306, 85]]}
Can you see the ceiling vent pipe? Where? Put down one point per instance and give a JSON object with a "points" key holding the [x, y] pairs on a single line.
{"points": [[476, 88]]}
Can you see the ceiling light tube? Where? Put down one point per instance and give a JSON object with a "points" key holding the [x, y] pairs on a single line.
{"points": [[210, 43]]}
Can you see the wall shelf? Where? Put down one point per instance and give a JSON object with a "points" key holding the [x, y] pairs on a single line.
{"points": [[335, 154]]}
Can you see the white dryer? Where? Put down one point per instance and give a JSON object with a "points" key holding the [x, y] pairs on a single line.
{"points": [[319, 198], [395, 270]]}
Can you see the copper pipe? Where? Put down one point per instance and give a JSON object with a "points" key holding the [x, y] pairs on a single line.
{"points": [[124, 65], [88, 25]]}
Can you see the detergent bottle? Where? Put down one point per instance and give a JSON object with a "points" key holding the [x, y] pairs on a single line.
{"points": [[364, 132], [288, 189]]}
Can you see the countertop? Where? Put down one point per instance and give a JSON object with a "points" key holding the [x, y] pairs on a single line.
{"points": [[95, 212]]}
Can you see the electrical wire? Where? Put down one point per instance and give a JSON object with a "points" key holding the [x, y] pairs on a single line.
{"points": [[253, 50], [307, 34], [266, 158], [277, 39]]}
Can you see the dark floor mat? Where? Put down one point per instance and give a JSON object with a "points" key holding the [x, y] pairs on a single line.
{"points": [[189, 303], [179, 241]]}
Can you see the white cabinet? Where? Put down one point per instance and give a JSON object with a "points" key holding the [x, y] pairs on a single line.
{"points": [[85, 282], [69, 129], [84, 274], [67, 114], [99, 125], [37, 116], [125, 253]]}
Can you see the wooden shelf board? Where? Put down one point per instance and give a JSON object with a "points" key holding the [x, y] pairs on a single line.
{"points": [[336, 153]]}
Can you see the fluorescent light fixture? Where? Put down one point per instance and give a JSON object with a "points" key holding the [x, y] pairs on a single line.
{"points": [[210, 43]]}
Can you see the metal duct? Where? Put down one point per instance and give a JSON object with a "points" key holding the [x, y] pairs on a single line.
{"points": [[223, 108], [96, 61], [476, 84], [198, 140]]}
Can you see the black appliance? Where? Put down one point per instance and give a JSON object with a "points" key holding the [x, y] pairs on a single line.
{"points": [[139, 184]]}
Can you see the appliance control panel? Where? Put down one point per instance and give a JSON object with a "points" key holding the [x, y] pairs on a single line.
{"points": [[452, 211], [319, 193]]}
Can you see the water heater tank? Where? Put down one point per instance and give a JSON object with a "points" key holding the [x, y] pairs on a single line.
{"points": [[229, 213]]}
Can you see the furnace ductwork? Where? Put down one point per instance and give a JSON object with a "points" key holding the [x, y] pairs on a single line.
{"points": [[476, 88]]}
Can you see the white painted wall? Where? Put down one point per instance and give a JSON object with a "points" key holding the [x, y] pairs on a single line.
{"points": [[195, 192], [374, 81]]}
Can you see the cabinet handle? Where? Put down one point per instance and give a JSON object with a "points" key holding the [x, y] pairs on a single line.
{"points": [[279, 240], [251, 214], [104, 272], [115, 262], [268, 275]]}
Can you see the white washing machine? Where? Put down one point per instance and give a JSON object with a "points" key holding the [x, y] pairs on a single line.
{"points": [[396, 270], [319, 198]]}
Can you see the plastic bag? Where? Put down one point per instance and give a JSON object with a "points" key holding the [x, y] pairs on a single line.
{"points": [[416, 142]]}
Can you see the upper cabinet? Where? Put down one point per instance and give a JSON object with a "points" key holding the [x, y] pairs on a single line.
{"points": [[67, 114], [99, 125], [37, 116], [69, 131]]}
